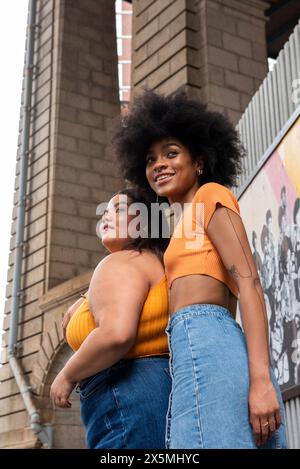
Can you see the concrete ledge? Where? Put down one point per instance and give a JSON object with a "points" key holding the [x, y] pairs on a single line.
{"points": [[65, 292]]}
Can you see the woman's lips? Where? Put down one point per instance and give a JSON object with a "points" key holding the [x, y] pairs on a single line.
{"points": [[164, 180]]}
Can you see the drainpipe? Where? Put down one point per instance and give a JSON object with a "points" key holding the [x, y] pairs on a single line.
{"points": [[43, 431]]}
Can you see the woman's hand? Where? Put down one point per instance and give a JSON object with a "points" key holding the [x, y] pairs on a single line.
{"points": [[264, 410], [61, 389], [70, 311]]}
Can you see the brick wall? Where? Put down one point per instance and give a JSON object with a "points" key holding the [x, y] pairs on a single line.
{"points": [[215, 49], [68, 431], [75, 96]]}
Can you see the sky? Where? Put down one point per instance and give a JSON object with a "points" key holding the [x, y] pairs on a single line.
{"points": [[13, 21]]}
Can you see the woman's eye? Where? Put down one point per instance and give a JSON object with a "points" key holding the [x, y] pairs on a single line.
{"points": [[173, 153], [149, 160]]}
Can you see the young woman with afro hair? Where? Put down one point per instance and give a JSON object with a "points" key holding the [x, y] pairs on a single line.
{"points": [[224, 392]]}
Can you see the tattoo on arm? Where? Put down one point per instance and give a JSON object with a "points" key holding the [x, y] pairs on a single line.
{"points": [[233, 269]]}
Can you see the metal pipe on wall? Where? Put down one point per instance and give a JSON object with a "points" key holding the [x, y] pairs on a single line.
{"points": [[43, 431]]}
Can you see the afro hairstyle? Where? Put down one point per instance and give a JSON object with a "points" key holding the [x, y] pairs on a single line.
{"points": [[205, 133]]}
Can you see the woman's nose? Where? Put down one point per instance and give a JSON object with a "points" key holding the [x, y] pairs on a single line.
{"points": [[106, 218], [159, 164]]}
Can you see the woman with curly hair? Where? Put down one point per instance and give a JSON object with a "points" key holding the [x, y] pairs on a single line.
{"points": [[224, 392]]}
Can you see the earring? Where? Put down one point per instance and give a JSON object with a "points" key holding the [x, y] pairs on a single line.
{"points": [[157, 198], [199, 171]]}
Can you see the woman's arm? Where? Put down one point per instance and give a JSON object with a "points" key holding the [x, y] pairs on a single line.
{"points": [[227, 232], [116, 296]]}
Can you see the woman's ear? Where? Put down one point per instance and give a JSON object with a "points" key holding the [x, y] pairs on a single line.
{"points": [[200, 164]]}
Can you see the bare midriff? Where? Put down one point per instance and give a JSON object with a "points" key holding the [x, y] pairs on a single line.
{"points": [[198, 288]]}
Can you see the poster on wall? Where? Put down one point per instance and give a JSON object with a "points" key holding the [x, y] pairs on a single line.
{"points": [[270, 207]]}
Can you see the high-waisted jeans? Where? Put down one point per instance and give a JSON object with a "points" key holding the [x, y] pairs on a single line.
{"points": [[208, 405], [125, 406]]}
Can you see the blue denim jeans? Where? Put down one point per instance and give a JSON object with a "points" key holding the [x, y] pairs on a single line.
{"points": [[125, 406], [208, 405]]}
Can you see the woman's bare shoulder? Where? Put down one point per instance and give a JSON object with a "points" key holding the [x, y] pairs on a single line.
{"points": [[130, 262], [117, 262], [117, 258], [129, 255]]}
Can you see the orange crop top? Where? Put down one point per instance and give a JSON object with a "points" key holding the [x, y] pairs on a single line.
{"points": [[151, 337], [193, 252]]}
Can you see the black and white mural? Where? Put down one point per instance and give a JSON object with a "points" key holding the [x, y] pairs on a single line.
{"points": [[270, 207]]}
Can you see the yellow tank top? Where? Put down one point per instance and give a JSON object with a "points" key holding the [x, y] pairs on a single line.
{"points": [[151, 337]]}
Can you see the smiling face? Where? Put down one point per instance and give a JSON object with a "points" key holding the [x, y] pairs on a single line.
{"points": [[171, 171], [114, 223]]}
